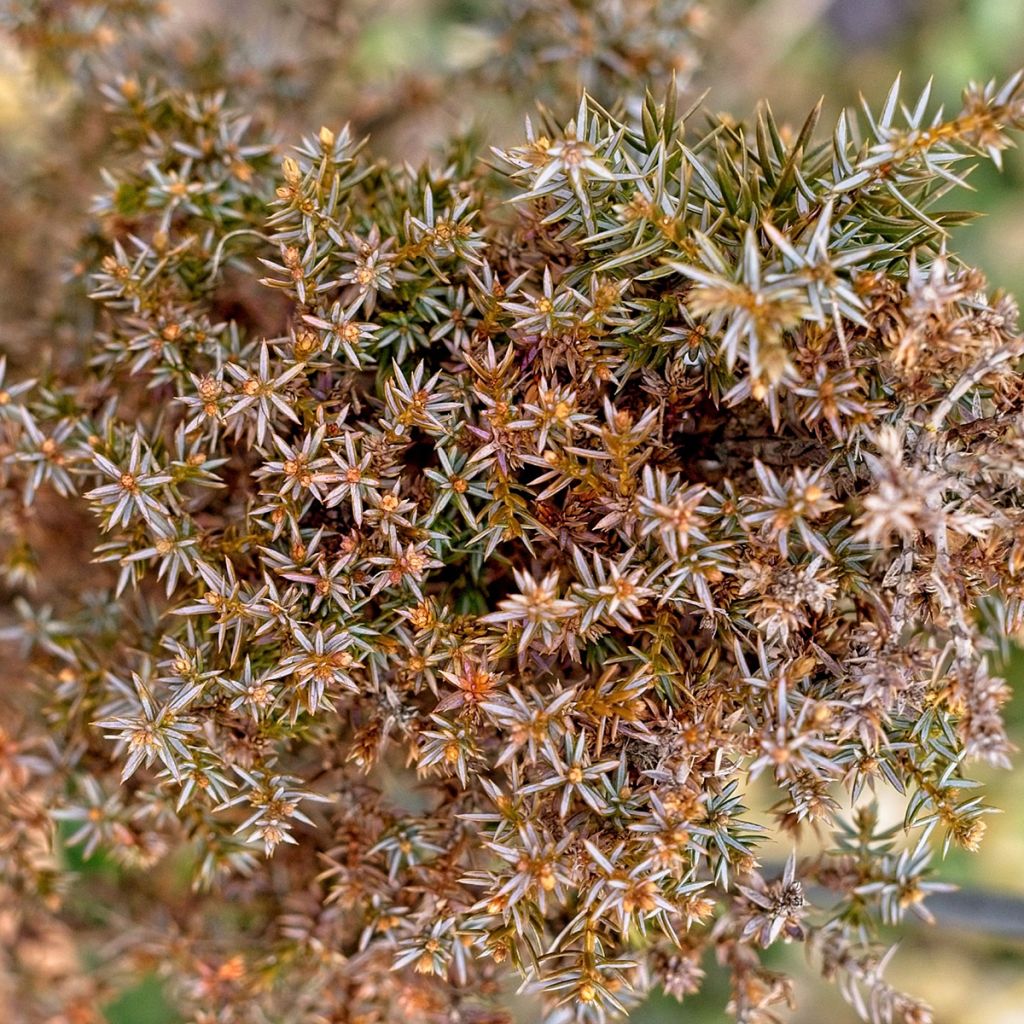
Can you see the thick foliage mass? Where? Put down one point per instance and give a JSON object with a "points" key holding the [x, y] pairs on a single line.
{"points": [[479, 541]]}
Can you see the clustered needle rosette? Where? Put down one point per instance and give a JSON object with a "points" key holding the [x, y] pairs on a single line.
{"points": [[537, 515]]}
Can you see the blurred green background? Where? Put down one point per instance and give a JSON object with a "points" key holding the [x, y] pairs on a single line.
{"points": [[792, 52]]}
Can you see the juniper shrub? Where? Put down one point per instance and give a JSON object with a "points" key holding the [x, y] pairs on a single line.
{"points": [[473, 536]]}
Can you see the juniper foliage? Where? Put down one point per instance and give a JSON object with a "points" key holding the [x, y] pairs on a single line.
{"points": [[473, 536]]}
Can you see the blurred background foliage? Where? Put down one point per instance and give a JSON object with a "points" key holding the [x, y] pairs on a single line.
{"points": [[387, 66]]}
